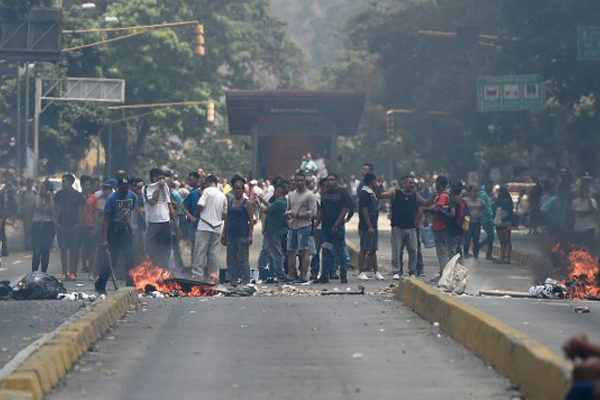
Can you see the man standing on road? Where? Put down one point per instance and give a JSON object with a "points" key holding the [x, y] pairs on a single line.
{"points": [[190, 208], [487, 219], [302, 207], [212, 210], [157, 205], [27, 200], [404, 208], [275, 228], [335, 203], [368, 213], [117, 236], [440, 225], [88, 234], [70, 208]]}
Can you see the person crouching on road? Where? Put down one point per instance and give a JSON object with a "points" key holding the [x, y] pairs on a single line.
{"points": [[42, 227], [237, 233], [212, 210], [117, 232], [368, 207], [159, 211]]}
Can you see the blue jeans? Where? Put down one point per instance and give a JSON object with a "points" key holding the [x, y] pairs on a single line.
{"points": [[489, 240], [316, 259], [330, 256], [264, 258], [275, 249]]}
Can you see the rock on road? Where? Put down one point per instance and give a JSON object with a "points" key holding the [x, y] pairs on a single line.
{"points": [[334, 347]]}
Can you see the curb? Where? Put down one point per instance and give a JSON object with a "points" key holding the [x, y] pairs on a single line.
{"points": [[532, 260], [539, 372], [49, 364]]}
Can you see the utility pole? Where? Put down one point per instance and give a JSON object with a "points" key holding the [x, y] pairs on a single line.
{"points": [[19, 121], [27, 90], [36, 126]]}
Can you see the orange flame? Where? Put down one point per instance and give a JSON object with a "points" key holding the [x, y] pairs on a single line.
{"points": [[582, 275], [148, 278]]}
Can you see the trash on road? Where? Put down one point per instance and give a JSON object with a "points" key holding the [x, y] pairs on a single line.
{"points": [[505, 294], [37, 286], [551, 289], [582, 310], [455, 277], [79, 296]]}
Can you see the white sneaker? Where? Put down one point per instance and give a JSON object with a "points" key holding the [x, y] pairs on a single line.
{"points": [[380, 277], [396, 277], [363, 276]]}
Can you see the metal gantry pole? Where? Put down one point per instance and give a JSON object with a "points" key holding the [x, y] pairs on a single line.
{"points": [[19, 121], [27, 90], [36, 125]]}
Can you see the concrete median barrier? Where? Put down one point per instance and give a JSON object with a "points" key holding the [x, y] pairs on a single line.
{"points": [[45, 367], [539, 372]]}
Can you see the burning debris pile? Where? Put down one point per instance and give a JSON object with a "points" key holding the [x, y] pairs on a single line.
{"points": [[582, 281], [158, 282]]}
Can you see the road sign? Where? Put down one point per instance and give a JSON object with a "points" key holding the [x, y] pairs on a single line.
{"points": [[588, 43], [36, 38], [511, 93], [86, 89]]}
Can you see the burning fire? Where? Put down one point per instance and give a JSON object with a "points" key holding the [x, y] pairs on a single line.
{"points": [[149, 278], [583, 275]]}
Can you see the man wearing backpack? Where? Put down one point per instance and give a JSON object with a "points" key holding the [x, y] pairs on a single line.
{"points": [[456, 218]]}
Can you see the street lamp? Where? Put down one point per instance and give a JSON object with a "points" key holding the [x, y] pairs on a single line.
{"points": [[88, 6]]}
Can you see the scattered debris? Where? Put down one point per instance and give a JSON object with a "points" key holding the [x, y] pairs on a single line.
{"points": [[36, 286], [582, 310], [79, 296], [505, 293], [551, 289], [455, 277]]}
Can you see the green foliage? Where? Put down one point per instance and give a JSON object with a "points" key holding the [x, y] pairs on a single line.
{"points": [[425, 73], [246, 47]]}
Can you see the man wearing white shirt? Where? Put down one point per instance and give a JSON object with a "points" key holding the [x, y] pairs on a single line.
{"points": [[158, 208], [212, 210]]}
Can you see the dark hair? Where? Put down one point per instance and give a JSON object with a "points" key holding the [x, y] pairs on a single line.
{"points": [[48, 185], [238, 178], [211, 179], [369, 165], [369, 178], [504, 194], [156, 172], [336, 176], [194, 175], [473, 188], [441, 181], [281, 183], [84, 179], [300, 173], [456, 187], [69, 177], [322, 181]]}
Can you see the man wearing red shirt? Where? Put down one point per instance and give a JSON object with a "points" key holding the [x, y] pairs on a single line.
{"points": [[440, 222]]}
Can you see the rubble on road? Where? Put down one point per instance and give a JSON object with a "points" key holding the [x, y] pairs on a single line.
{"points": [[455, 276], [551, 289], [80, 296], [33, 286]]}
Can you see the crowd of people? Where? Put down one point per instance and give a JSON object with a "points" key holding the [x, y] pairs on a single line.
{"points": [[302, 219]]}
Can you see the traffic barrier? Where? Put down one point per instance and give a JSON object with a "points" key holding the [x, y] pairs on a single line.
{"points": [[49, 364], [539, 372]]}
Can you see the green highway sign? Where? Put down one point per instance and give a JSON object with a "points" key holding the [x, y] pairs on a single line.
{"points": [[588, 43], [511, 93]]}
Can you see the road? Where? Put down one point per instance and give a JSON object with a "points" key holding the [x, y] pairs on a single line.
{"points": [[367, 347]]}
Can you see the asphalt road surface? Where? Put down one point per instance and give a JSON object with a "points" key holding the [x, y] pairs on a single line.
{"points": [[343, 347]]}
